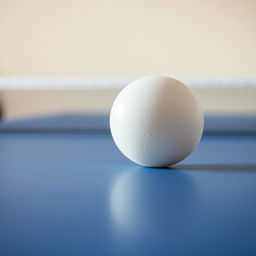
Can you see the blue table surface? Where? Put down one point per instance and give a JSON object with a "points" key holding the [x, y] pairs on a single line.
{"points": [[76, 194]]}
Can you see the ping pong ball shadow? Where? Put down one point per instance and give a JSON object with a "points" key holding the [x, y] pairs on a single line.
{"points": [[147, 201]]}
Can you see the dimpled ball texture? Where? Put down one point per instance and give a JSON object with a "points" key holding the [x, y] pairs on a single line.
{"points": [[156, 121]]}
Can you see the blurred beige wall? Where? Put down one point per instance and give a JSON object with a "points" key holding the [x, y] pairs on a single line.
{"points": [[100, 38], [127, 37]]}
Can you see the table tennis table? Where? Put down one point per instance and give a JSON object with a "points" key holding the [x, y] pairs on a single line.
{"points": [[65, 189]]}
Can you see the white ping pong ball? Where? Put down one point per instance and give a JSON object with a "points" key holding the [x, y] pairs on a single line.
{"points": [[156, 121]]}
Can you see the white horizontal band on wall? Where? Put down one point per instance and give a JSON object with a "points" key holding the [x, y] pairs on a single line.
{"points": [[82, 83]]}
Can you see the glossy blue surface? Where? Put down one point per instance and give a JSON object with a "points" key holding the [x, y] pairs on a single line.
{"points": [[75, 194]]}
